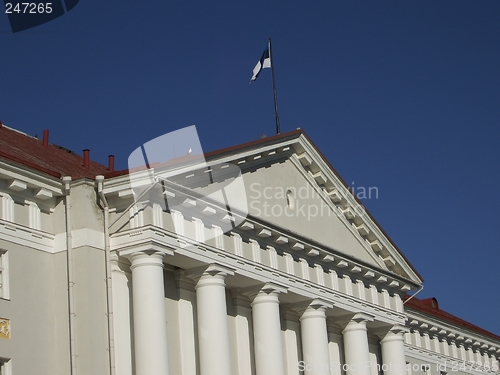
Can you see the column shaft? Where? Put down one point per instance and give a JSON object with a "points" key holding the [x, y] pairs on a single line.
{"points": [[150, 333], [315, 341], [357, 354], [393, 353], [213, 334], [267, 334]]}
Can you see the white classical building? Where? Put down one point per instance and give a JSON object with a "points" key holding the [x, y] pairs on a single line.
{"points": [[97, 279]]}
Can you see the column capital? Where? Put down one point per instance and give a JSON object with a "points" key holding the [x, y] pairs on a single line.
{"points": [[268, 288], [146, 247], [352, 321], [395, 331], [146, 258], [318, 305], [213, 269]]}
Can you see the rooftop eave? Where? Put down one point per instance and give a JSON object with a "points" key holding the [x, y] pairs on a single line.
{"points": [[19, 178], [433, 325]]}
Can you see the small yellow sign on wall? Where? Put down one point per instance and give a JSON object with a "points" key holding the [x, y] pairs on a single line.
{"points": [[4, 328]]}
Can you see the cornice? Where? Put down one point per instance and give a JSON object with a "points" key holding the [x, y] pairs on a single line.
{"points": [[343, 212], [446, 363], [342, 198], [21, 179], [436, 327], [284, 240]]}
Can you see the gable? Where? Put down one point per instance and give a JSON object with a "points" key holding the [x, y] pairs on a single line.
{"points": [[284, 195], [289, 170], [290, 186]]}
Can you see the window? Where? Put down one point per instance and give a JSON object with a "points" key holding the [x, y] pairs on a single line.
{"points": [[290, 199]]}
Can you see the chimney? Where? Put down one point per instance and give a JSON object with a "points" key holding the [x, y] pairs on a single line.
{"points": [[86, 158], [45, 141], [111, 163], [1, 123]]}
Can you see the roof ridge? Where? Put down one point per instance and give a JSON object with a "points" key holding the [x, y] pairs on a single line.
{"points": [[18, 131]]}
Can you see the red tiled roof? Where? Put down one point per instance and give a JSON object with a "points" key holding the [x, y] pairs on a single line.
{"points": [[430, 306], [53, 160]]}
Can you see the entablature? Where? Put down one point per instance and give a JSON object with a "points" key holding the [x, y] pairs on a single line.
{"points": [[189, 253], [18, 179], [271, 236], [446, 332]]}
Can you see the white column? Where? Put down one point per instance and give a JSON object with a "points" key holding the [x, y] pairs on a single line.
{"points": [[393, 351], [213, 334], [267, 331], [150, 328], [315, 339], [357, 353]]}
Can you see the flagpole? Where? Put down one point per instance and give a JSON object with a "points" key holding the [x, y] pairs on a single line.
{"points": [[274, 90]]}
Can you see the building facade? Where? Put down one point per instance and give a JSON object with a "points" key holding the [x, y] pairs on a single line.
{"points": [[119, 273]]}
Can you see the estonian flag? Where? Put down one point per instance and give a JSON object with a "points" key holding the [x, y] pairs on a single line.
{"points": [[264, 62]]}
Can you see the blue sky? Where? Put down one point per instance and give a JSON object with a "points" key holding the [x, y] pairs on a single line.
{"points": [[402, 96]]}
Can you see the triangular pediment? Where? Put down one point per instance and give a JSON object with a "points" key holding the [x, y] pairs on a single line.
{"points": [[290, 185]]}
